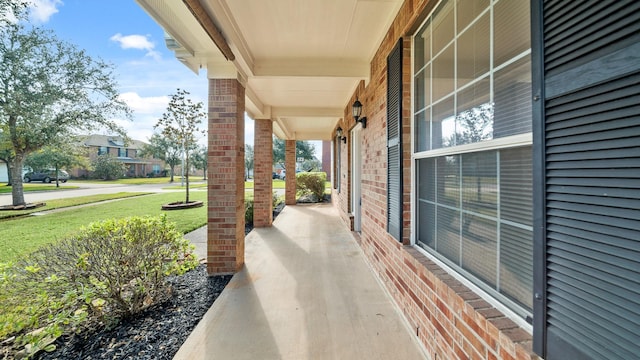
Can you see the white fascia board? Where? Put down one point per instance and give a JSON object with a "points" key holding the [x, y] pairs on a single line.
{"points": [[281, 131], [319, 135], [255, 107], [307, 112], [222, 17], [313, 68]]}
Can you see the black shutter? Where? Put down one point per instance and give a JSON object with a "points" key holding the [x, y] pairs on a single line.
{"points": [[586, 72], [394, 142]]}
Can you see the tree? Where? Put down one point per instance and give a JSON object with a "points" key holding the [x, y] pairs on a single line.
{"points": [[472, 126], [57, 157], [107, 167], [200, 160], [6, 154], [311, 165], [49, 90], [165, 149], [248, 158], [11, 10], [180, 124], [304, 149]]}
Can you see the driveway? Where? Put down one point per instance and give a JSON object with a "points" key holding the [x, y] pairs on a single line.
{"points": [[84, 190]]}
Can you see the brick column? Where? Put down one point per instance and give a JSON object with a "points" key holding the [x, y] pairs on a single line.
{"points": [[326, 158], [225, 234], [290, 164], [262, 171]]}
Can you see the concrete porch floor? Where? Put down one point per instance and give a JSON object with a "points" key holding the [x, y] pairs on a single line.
{"points": [[305, 293]]}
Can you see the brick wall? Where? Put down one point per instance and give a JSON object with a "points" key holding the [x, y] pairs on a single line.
{"points": [[450, 320], [262, 178], [225, 225], [326, 158], [290, 166]]}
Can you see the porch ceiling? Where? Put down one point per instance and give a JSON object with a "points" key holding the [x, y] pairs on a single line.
{"points": [[300, 59]]}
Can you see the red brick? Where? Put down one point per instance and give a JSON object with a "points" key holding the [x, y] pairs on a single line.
{"points": [[226, 169], [263, 182], [290, 165]]}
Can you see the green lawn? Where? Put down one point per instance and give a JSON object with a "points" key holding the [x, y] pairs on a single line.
{"points": [[62, 203], [23, 235], [37, 187], [191, 186], [134, 181]]}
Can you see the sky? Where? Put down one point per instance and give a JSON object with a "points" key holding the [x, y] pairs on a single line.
{"points": [[121, 33]]}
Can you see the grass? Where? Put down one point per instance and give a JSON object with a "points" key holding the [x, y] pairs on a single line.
{"points": [[38, 187], [134, 181], [23, 235], [62, 203], [191, 186], [277, 184]]}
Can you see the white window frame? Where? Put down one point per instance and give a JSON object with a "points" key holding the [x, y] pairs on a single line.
{"points": [[508, 142]]}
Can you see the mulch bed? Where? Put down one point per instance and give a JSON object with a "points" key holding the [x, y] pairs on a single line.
{"points": [[157, 333]]}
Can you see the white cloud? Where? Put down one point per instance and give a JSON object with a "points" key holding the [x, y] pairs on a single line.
{"points": [[40, 11], [146, 112], [145, 105], [138, 42]]}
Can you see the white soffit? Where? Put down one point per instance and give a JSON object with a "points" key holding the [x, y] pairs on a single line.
{"points": [[301, 59], [190, 43]]}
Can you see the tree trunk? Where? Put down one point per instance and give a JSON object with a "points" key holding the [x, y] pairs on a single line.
{"points": [[17, 190], [171, 170], [187, 176]]}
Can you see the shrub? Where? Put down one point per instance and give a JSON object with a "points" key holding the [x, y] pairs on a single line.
{"points": [[311, 183], [277, 200], [249, 205], [109, 270], [107, 167], [248, 210]]}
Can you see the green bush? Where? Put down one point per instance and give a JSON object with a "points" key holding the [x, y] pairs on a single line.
{"points": [[248, 210], [277, 200], [249, 205], [109, 270], [107, 167], [311, 183]]}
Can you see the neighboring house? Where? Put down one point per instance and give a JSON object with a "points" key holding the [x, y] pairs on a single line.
{"points": [[495, 184], [4, 173], [126, 152]]}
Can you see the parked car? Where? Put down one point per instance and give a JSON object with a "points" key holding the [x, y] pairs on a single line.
{"points": [[46, 176]]}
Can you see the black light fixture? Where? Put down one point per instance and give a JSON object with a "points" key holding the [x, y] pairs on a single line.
{"points": [[357, 111], [339, 133]]}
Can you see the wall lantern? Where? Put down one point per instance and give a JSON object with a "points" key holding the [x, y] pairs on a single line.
{"points": [[339, 133], [357, 111]]}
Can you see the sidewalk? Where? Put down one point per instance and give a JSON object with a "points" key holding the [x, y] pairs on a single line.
{"points": [[305, 293]]}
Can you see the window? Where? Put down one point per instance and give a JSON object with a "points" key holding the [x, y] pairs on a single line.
{"points": [[472, 148], [103, 150], [122, 152], [156, 169]]}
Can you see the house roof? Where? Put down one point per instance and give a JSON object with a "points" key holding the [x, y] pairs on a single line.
{"points": [[112, 141], [299, 60]]}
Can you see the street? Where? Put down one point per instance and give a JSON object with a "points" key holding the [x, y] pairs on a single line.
{"points": [[86, 189]]}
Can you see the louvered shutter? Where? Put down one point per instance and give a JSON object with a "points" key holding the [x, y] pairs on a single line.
{"points": [[394, 142], [587, 281]]}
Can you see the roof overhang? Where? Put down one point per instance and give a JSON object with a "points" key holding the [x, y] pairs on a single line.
{"points": [[299, 60]]}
